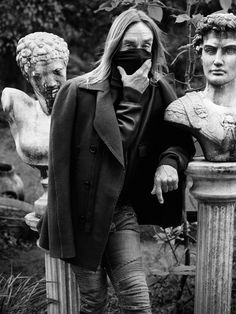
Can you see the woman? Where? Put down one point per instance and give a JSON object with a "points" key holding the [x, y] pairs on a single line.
{"points": [[106, 144]]}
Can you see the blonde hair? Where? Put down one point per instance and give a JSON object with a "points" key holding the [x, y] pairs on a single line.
{"points": [[113, 42]]}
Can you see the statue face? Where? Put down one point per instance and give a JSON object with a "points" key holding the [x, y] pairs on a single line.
{"points": [[46, 78], [219, 58]]}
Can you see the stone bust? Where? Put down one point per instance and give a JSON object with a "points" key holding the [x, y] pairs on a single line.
{"points": [[210, 115], [42, 58]]}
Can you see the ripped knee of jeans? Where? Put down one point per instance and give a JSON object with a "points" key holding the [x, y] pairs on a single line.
{"points": [[93, 289], [130, 284]]}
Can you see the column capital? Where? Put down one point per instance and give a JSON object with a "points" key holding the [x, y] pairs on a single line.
{"points": [[213, 181]]}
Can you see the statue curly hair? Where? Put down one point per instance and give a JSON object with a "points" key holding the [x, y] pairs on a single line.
{"points": [[40, 46], [216, 22]]}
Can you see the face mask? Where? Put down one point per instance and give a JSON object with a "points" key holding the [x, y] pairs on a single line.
{"points": [[130, 60]]}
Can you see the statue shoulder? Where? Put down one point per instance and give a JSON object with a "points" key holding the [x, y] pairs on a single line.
{"points": [[187, 109], [12, 96], [188, 102], [175, 109], [15, 101], [189, 99]]}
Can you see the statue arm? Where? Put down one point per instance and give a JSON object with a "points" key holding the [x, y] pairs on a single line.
{"points": [[14, 102], [6, 101]]}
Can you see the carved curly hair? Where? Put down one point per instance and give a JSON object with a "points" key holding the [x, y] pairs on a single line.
{"points": [[216, 22], [40, 46]]}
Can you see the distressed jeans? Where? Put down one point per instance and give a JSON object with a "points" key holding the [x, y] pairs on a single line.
{"points": [[122, 263]]}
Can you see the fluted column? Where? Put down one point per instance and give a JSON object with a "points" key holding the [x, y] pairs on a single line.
{"points": [[61, 287], [214, 187]]}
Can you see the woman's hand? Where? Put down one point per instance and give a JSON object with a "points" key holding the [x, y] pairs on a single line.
{"points": [[138, 80], [166, 179]]}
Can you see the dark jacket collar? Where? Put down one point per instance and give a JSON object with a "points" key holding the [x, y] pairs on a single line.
{"points": [[105, 122]]}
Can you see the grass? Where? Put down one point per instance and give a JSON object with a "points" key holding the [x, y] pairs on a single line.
{"points": [[22, 295]]}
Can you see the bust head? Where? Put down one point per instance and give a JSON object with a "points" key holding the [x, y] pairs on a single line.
{"points": [[210, 115], [215, 41], [42, 58], [217, 23]]}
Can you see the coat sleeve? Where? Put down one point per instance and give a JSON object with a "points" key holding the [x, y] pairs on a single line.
{"points": [[177, 143]]}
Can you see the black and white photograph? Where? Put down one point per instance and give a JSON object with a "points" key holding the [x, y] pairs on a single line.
{"points": [[117, 156]]}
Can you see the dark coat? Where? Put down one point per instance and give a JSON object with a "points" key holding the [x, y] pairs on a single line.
{"points": [[87, 171]]}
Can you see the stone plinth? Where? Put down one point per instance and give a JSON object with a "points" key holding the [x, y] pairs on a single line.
{"points": [[61, 286], [40, 204], [214, 187]]}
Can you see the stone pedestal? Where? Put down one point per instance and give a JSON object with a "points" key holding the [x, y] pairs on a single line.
{"points": [[214, 187], [40, 204], [62, 289]]}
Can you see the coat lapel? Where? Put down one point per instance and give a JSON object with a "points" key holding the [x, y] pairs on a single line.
{"points": [[106, 125]]}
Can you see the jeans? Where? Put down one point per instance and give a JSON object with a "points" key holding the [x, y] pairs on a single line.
{"points": [[122, 263]]}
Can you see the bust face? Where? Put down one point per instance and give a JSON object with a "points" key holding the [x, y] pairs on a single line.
{"points": [[46, 78], [219, 58]]}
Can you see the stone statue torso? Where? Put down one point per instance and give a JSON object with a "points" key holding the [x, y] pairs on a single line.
{"points": [[214, 126], [29, 126]]}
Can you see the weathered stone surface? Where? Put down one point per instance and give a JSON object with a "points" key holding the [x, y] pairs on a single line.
{"points": [[61, 287], [214, 187]]}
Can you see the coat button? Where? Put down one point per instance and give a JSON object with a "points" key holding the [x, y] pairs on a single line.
{"points": [[93, 149], [87, 185], [82, 218]]}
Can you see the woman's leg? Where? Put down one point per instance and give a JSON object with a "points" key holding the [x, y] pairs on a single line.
{"points": [[123, 261], [93, 289]]}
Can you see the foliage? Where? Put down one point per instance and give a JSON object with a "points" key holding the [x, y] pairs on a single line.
{"points": [[191, 16], [172, 262], [34, 15], [73, 20], [21, 294], [84, 26], [85, 32], [176, 254], [23, 238], [152, 7], [14, 233]]}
